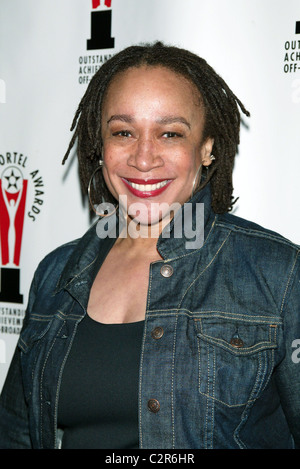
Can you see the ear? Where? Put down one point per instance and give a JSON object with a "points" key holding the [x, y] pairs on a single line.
{"points": [[206, 150]]}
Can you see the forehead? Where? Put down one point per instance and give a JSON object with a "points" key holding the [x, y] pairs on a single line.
{"points": [[151, 81]]}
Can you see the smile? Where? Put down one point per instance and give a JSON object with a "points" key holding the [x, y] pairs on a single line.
{"points": [[149, 188]]}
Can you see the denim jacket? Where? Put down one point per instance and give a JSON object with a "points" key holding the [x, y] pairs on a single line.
{"points": [[218, 366]]}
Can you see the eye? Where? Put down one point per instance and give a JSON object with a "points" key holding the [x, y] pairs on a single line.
{"points": [[172, 135], [122, 133]]}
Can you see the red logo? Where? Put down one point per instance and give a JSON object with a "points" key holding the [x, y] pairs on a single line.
{"points": [[13, 190], [96, 3]]}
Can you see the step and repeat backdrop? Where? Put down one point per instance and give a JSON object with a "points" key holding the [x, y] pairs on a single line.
{"points": [[49, 50]]}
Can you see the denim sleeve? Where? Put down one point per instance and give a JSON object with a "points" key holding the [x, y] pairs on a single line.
{"points": [[288, 371], [14, 425], [14, 429]]}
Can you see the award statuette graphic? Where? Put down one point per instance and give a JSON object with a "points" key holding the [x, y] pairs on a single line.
{"points": [[101, 27], [13, 191]]}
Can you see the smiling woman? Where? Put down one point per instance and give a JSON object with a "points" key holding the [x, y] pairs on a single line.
{"points": [[152, 131], [142, 340], [210, 92]]}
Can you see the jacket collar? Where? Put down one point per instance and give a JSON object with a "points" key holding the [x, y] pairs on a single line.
{"points": [[90, 252], [85, 261], [186, 224]]}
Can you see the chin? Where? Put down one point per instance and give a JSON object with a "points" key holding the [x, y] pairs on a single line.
{"points": [[150, 215]]}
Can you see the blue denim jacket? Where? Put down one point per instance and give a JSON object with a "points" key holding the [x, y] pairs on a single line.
{"points": [[221, 371]]}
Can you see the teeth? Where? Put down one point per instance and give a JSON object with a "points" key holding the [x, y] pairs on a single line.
{"points": [[148, 187]]}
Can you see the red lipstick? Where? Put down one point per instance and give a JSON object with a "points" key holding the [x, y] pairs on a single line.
{"points": [[146, 188]]}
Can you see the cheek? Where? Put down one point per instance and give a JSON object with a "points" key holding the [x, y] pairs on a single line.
{"points": [[112, 180], [112, 162], [188, 165], [114, 157], [108, 178]]}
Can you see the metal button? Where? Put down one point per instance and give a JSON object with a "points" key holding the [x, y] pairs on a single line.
{"points": [[166, 270], [236, 342], [153, 405], [157, 333]]}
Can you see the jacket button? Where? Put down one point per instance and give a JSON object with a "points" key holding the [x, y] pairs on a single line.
{"points": [[166, 270], [236, 342], [157, 333], [153, 405]]}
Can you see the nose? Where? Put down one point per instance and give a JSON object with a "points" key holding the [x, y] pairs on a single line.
{"points": [[145, 156]]}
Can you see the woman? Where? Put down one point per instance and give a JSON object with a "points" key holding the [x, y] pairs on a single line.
{"points": [[140, 339]]}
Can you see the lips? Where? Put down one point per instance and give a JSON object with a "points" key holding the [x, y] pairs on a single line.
{"points": [[146, 188]]}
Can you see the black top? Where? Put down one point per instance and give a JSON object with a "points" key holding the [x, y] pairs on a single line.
{"points": [[98, 401]]}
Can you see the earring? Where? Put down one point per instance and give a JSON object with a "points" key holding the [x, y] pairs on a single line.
{"points": [[102, 206], [212, 157], [199, 171]]}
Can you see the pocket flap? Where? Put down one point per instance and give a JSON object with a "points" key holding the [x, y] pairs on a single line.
{"points": [[236, 336], [34, 330]]}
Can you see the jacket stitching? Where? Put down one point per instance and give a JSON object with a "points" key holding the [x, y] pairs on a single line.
{"points": [[59, 383], [172, 385], [260, 319], [253, 232], [57, 287], [288, 282], [41, 386], [206, 267], [191, 251]]}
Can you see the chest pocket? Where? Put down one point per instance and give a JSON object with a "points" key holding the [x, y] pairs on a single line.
{"points": [[34, 331], [236, 358]]}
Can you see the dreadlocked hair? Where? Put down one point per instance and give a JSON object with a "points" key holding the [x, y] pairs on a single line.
{"points": [[221, 109]]}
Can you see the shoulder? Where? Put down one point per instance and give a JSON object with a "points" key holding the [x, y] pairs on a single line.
{"points": [[56, 259], [254, 232], [259, 246], [66, 261], [255, 251], [45, 279]]}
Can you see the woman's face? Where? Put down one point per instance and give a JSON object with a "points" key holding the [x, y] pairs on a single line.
{"points": [[152, 125]]}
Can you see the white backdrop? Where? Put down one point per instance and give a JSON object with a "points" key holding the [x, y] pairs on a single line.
{"points": [[46, 62]]}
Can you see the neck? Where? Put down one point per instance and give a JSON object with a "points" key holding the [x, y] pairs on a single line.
{"points": [[140, 236]]}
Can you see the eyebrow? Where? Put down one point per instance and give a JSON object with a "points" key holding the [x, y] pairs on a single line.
{"points": [[121, 117], [161, 120], [172, 120]]}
